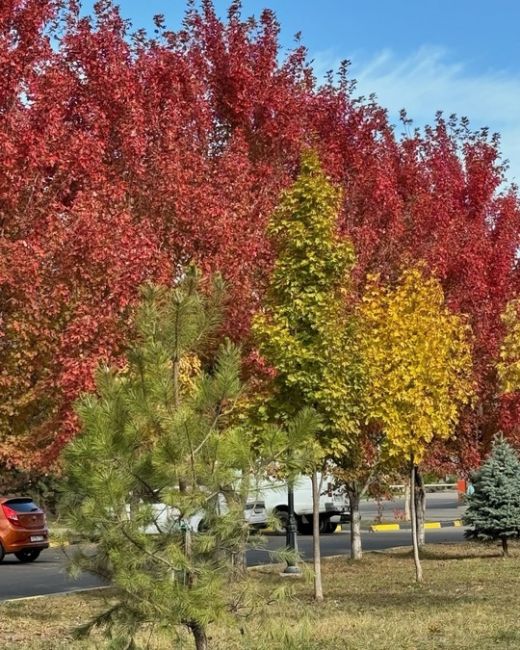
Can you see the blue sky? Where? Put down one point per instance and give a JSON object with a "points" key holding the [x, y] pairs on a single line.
{"points": [[459, 56]]}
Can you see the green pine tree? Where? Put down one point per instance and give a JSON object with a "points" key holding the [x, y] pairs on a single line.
{"points": [[494, 507], [161, 431]]}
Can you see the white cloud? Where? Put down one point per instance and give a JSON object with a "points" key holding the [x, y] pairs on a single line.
{"points": [[427, 81]]}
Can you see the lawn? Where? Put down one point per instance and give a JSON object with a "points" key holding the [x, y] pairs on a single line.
{"points": [[470, 599]]}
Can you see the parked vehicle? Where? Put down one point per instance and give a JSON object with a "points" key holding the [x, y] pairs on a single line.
{"points": [[23, 528], [334, 508], [167, 517]]}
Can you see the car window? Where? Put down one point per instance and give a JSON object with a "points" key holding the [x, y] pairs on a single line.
{"points": [[22, 505]]}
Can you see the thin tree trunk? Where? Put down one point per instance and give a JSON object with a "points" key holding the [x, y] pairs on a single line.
{"points": [[505, 548], [189, 577], [407, 498], [239, 559], [356, 551], [176, 387], [418, 568], [318, 587], [420, 506], [200, 636]]}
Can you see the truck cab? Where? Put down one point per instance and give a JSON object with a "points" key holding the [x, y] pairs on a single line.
{"points": [[334, 508]]}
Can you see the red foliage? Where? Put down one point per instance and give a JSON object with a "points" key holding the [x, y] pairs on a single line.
{"points": [[454, 214], [123, 158]]}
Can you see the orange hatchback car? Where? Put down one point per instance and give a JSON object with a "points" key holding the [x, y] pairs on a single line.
{"points": [[23, 528]]}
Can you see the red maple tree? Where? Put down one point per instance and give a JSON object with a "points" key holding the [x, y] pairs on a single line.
{"points": [[125, 157]]}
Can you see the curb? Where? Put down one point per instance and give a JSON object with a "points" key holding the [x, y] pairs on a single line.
{"points": [[58, 544], [54, 594], [379, 528]]}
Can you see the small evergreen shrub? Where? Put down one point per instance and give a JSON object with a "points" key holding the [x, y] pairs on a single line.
{"points": [[493, 511]]}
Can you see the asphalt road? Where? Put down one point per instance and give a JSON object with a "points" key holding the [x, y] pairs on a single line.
{"points": [[339, 544], [48, 575], [440, 506], [45, 576]]}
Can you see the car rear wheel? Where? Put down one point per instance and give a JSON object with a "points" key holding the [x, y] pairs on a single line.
{"points": [[28, 554], [2, 552]]}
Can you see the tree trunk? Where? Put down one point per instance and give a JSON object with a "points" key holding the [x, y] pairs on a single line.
{"points": [[420, 506], [505, 548], [418, 568], [176, 387], [199, 634], [189, 578], [407, 498], [318, 588], [238, 556], [356, 551], [239, 561]]}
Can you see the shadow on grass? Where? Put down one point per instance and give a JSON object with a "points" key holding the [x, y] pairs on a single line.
{"points": [[439, 555], [410, 597], [432, 555]]}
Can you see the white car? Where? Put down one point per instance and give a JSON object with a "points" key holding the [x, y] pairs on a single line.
{"points": [[167, 517]]}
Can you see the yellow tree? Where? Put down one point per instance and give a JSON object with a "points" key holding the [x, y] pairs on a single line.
{"points": [[509, 366], [303, 329], [418, 368]]}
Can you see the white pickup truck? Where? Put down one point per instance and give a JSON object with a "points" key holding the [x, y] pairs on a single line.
{"points": [[334, 508]]}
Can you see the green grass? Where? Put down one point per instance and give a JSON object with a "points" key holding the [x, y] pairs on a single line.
{"points": [[470, 599]]}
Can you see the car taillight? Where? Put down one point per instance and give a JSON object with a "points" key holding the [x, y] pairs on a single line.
{"points": [[11, 515]]}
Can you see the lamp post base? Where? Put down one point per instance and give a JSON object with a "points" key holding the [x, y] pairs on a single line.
{"points": [[291, 572]]}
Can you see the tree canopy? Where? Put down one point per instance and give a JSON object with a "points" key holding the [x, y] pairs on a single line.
{"points": [[125, 156], [493, 510], [417, 362], [160, 474]]}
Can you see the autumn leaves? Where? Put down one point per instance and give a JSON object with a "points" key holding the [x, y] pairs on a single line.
{"points": [[394, 362], [131, 157]]}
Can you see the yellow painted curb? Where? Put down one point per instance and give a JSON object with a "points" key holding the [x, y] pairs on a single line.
{"points": [[269, 531], [457, 523], [381, 527]]}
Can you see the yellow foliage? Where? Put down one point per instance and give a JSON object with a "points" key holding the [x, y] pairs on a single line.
{"points": [[189, 370], [303, 329], [509, 365], [417, 362]]}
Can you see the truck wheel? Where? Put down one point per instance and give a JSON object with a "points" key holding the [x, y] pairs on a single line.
{"points": [[281, 520], [327, 526], [304, 528], [203, 526]]}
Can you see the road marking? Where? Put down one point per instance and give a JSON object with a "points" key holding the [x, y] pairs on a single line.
{"points": [[382, 527], [378, 528]]}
